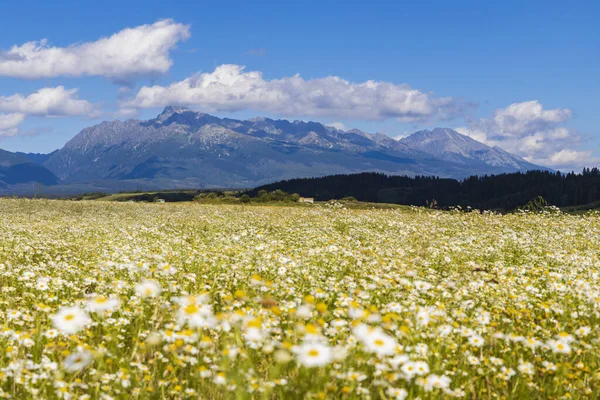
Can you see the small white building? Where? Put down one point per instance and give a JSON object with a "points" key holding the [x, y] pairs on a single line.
{"points": [[309, 200]]}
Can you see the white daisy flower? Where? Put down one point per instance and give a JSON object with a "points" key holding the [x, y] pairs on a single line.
{"points": [[395, 393], [380, 343], [77, 361], [148, 288], [526, 368], [476, 341], [583, 331], [559, 346], [436, 382], [196, 312], [70, 320], [313, 354], [100, 304]]}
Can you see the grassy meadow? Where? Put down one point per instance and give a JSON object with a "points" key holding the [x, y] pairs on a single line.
{"points": [[108, 300]]}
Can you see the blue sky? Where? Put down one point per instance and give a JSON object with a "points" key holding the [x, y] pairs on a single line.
{"points": [[519, 74]]}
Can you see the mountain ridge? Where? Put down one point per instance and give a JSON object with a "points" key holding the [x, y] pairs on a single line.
{"points": [[181, 145]]}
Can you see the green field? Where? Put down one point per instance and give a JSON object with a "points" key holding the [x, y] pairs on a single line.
{"points": [[121, 300]]}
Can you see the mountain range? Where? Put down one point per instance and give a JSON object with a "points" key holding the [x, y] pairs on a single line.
{"points": [[182, 148]]}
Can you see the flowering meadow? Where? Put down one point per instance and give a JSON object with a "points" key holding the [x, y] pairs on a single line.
{"points": [[104, 300]]}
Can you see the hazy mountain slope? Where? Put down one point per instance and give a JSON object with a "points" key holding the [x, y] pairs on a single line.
{"points": [[38, 158], [16, 169], [447, 144]]}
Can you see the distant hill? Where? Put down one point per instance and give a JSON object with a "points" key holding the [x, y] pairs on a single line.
{"points": [[502, 192], [17, 169], [38, 158]]}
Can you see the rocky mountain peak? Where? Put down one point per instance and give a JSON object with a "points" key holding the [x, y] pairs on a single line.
{"points": [[184, 147], [449, 145], [169, 111]]}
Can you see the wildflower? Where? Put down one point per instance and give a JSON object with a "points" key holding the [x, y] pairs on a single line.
{"points": [[220, 379], [101, 304], [473, 360], [422, 286], [532, 343], [313, 355], [526, 368], [549, 366], [77, 361], [496, 361], [436, 382], [583, 331], [70, 320], [13, 315], [421, 368], [153, 339], [380, 343], [196, 312], [282, 357], [339, 353], [409, 369], [304, 312], [167, 269], [559, 346], [483, 318], [51, 333], [395, 393], [253, 336], [476, 341], [507, 373], [397, 360], [444, 330], [565, 337], [148, 288]]}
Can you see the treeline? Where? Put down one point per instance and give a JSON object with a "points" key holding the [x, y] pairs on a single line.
{"points": [[260, 196], [500, 192]]}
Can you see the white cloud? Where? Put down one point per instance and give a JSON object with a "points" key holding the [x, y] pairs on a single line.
{"points": [[567, 156], [46, 102], [522, 119], [131, 52], [534, 133], [338, 125], [230, 88], [9, 124]]}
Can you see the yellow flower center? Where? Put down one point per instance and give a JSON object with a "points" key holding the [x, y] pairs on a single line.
{"points": [[313, 353], [191, 309]]}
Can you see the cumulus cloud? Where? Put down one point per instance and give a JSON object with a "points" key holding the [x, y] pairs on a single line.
{"points": [[230, 88], [9, 124], [143, 50], [534, 133], [46, 102]]}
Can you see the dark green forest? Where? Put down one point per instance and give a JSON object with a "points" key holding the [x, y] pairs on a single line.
{"points": [[495, 192]]}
